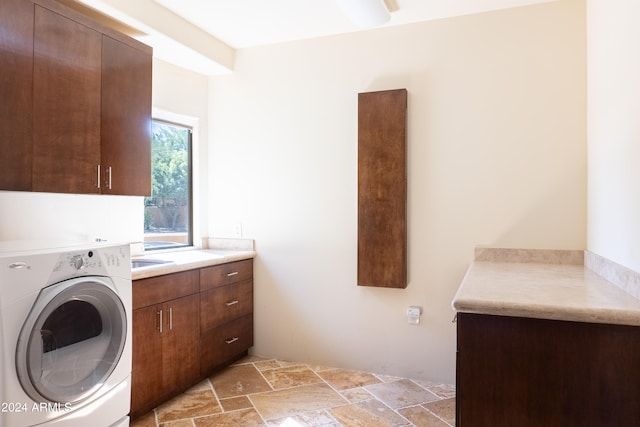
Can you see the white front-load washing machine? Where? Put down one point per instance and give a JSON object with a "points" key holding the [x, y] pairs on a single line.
{"points": [[65, 334]]}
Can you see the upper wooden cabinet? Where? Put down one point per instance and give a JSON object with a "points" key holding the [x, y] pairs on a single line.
{"points": [[126, 119], [382, 189], [66, 104], [82, 114], [16, 87]]}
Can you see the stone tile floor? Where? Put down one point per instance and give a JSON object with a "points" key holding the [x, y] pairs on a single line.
{"points": [[266, 392]]}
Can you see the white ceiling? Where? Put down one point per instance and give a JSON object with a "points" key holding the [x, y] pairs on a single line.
{"points": [[203, 35], [246, 23]]}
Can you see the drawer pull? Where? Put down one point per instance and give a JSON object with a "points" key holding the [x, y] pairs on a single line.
{"points": [[230, 303], [233, 273], [232, 340], [160, 314]]}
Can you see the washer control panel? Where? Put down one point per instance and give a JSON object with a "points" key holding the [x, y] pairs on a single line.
{"points": [[26, 273], [103, 261], [79, 261]]}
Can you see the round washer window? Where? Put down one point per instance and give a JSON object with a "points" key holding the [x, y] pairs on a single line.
{"points": [[71, 340]]}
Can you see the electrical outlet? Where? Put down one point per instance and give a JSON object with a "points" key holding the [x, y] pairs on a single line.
{"points": [[237, 230], [413, 314]]}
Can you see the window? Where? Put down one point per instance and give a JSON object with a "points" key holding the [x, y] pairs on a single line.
{"points": [[168, 212]]}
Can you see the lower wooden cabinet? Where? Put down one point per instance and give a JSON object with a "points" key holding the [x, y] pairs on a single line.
{"points": [[185, 326], [166, 341], [180, 343], [514, 371]]}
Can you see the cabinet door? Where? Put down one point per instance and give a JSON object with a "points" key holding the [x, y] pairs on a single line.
{"points": [[66, 121], [382, 188], [180, 343], [534, 372], [146, 376], [126, 119], [16, 87]]}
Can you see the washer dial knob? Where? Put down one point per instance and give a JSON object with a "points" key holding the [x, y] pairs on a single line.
{"points": [[77, 262]]}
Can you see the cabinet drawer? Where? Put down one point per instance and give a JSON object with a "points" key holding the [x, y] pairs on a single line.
{"points": [[221, 305], [159, 289], [225, 274], [221, 344]]}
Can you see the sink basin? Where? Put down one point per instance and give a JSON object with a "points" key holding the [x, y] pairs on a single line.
{"points": [[148, 262]]}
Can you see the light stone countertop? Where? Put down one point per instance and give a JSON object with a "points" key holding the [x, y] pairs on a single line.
{"points": [[182, 260], [545, 290]]}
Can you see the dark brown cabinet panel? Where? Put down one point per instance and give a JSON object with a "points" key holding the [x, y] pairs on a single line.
{"points": [[126, 119], [66, 121], [159, 289], [180, 344], [166, 338], [146, 375], [16, 87], [226, 313], [532, 372], [221, 305], [75, 95], [225, 274], [382, 189], [225, 343]]}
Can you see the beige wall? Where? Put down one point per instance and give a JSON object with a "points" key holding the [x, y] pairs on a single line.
{"points": [[497, 156], [614, 130]]}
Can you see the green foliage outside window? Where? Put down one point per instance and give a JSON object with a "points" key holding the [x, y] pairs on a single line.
{"points": [[170, 179]]}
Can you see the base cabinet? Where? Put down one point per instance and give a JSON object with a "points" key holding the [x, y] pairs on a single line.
{"points": [[524, 372], [185, 326]]}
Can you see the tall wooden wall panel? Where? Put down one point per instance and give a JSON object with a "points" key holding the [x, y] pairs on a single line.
{"points": [[382, 189]]}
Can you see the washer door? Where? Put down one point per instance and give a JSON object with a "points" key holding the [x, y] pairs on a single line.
{"points": [[71, 340]]}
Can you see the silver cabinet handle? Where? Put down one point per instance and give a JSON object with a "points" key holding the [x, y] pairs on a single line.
{"points": [[99, 177], [160, 314], [109, 180], [232, 274], [171, 318], [230, 303], [232, 340]]}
